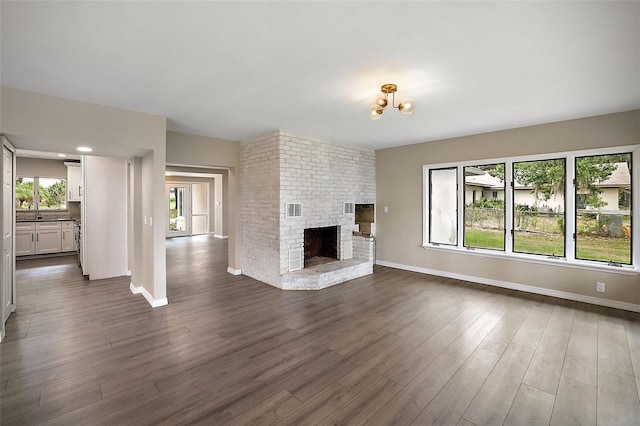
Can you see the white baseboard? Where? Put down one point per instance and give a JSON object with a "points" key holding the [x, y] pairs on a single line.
{"points": [[134, 289], [514, 286], [223, 237], [153, 302], [234, 271]]}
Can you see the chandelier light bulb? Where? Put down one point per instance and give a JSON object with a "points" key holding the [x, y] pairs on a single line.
{"points": [[375, 112], [406, 106], [381, 100]]}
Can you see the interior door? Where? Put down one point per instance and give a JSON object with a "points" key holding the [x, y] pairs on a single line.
{"points": [[179, 202], [7, 279]]}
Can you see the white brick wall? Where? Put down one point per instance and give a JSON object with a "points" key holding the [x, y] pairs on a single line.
{"points": [[260, 213], [322, 176], [283, 167]]}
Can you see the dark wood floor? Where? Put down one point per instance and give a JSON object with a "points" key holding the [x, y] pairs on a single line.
{"points": [[393, 348]]}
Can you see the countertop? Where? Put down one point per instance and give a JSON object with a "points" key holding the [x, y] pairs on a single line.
{"points": [[45, 220]]}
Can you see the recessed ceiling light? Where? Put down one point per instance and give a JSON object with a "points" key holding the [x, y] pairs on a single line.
{"points": [[62, 155], [84, 149]]}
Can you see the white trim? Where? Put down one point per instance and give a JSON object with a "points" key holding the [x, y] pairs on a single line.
{"points": [[539, 259], [153, 302], [515, 286], [223, 237], [2, 334], [234, 271]]}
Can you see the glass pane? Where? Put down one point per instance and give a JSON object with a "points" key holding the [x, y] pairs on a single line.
{"points": [[603, 208], [24, 193], [199, 224], [539, 206], [177, 209], [484, 206], [199, 198], [443, 205], [52, 193]]}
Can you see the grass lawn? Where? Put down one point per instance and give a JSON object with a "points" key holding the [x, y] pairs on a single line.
{"points": [[484, 238], [588, 247]]}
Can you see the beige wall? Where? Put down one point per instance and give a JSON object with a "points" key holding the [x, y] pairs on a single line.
{"points": [[48, 123], [399, 187], [105, 222], [200, 151]]}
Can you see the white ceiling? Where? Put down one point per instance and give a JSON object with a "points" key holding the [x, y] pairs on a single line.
{"points": [[235, 70]]}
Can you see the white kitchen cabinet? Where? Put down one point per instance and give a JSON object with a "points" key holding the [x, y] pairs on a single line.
{"points": [[48, 237], [74, 181], [45, 237], [25, 238], [67, 231]]}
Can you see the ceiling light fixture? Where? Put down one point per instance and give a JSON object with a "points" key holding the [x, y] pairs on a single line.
{"points": [[84, 149], [405, 106]]}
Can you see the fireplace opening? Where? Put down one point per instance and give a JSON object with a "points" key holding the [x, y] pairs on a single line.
{"points": [[320, 245]]}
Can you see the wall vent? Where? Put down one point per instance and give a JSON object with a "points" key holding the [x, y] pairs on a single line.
{"points": [[349, 208], [294, 210], [347, 250], [296, 260]]}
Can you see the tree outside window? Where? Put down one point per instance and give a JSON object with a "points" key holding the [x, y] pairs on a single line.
{"points": [[49, 193]]}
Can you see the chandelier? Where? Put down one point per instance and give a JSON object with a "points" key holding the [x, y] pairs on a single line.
{"points": [[405, 106]]}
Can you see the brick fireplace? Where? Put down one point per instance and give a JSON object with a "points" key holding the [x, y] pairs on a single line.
{"points": [[291, 184]]}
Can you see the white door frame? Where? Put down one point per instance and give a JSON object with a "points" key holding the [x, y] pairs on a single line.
{"points": [[187, 209], [8, 278], [188, 201]]}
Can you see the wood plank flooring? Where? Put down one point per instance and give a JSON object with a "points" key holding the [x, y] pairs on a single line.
{"points": [[393, 348]]}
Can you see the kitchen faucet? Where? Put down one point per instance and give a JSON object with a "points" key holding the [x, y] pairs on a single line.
{"points": [[37, 209]]}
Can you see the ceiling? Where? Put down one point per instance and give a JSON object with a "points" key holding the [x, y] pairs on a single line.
{"points": [[236, 70]]}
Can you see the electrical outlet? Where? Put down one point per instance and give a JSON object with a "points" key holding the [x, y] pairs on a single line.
{"points": [[600, 287]]}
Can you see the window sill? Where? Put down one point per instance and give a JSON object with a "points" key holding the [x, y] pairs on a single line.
{"points": [[538, 259]]}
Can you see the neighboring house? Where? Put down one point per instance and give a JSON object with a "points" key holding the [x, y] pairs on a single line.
{"points": [[482, 186], [615, 189]]}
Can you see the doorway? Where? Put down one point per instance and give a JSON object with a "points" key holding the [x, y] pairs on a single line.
{"points": [[188, 204]]}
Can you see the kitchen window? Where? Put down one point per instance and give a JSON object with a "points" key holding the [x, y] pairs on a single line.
{"points": [[40, 193]]}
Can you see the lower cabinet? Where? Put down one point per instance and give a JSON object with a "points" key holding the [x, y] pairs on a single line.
{"points": [[48, 238], [25, 238], [44, 237], [68, 241]]}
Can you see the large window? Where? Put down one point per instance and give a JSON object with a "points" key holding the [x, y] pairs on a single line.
{"points": [[41, 193], [484, 206], [575, 207], [539, 206], [443, 215], [603, 208]]}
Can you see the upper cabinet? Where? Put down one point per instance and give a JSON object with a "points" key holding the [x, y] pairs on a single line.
{"points": [[74, 181]]}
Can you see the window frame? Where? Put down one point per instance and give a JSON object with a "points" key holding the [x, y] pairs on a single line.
{"points": [[464, 207], [569, 259], [513, 210], [428, 212], [36, 193], [631, 208]]}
